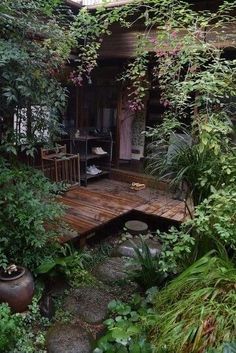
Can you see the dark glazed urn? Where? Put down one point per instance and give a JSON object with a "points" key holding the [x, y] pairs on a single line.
{"points": [[17, 290]]}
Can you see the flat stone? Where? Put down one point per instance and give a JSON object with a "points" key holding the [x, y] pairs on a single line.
{"points": [[127, 248], [136, 227], [67, 338], [113, 269], [88, 304]]}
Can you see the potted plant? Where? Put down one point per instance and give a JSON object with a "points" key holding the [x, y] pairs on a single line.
{"points": [[16, 287]]}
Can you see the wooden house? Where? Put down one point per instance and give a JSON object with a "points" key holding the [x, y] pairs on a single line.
{"points": [[101, 103]]}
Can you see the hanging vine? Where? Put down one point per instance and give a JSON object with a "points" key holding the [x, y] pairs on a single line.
{"points": [[181, 59]]}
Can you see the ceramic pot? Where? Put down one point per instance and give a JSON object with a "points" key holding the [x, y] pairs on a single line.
{"points": [[17, 289]]}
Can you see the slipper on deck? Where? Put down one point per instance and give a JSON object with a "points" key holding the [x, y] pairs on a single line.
{"points": [[137, 186]]}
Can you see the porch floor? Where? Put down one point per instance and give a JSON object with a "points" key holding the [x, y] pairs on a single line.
{"points": [[91, 207]]}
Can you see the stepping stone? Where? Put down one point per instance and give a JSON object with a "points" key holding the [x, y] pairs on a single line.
{"points": [[127, 248], [88, 304], [113, 269], [67, 338], [136, 227]]}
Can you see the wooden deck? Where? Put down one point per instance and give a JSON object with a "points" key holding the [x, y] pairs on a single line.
{"points": [[88, 209]]}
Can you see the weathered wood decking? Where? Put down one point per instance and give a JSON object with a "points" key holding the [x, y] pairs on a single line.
{"points": [[103, 201]]}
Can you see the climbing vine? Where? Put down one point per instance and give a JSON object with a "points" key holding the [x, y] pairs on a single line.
{"points": [[172, 52]]}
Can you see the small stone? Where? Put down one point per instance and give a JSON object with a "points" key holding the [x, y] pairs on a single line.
{"points": [[129, 236], [66, 338], [113, 269], [127, 247], [88, 304], [136, 227]]}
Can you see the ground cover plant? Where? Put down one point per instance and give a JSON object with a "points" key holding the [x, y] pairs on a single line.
{"points": [[125, 330], [22, 333], [194, 313]]}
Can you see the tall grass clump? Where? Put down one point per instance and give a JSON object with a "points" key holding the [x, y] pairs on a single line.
{"points": [[197, 310]]}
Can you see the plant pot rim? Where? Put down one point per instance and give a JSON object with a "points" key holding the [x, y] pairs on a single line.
{"points": [[12, 278]]}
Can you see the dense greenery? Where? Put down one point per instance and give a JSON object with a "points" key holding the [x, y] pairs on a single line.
{"points": [[194, 148], [195, 168], [194, 313], [125, 331], [35, 43], [195, 79], [28, 216], [9, 328], [22, 333], [72, 264]]}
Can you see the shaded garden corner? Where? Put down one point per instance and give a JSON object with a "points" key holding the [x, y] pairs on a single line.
{"points": [[135, 275]]}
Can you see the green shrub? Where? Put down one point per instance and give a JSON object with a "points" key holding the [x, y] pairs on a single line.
{"points": [[72, 264], [214, 222], [213, 227], [9, 328], [147, 272], [28, 216], [22, 333], [206, 165], [33, 331]]}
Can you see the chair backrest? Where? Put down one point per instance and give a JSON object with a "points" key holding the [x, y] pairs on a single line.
{"points": [[45, 152]]}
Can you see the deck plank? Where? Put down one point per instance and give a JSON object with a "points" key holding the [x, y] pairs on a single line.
{"points": [[89, 208]]}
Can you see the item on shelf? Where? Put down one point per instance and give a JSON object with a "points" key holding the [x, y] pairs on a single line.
{"points": [[77, 134], [99, 132], [137, 186], [93, 170], [98, 150]]}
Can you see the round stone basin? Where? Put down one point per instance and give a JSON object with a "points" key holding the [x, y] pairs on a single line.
{"points": [[135, 227]]}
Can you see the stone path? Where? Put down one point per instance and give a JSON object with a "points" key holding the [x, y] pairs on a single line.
{"points": [[127, 248], [112, 270], [88, 305], [63, 338]]}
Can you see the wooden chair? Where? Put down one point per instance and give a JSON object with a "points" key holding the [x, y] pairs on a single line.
{"points": [[58, 165]]}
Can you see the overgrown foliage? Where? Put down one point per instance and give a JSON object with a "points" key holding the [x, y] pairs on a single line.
{"points": [[28, 216], [195, 79], [22, 333], [9, 328], [35, 43], [199, 164], [72, 264], [213, 227], [196, 311], [125, 331]]}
